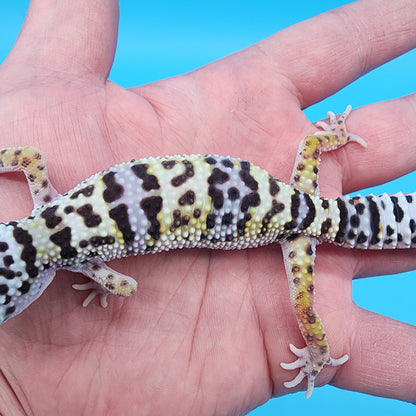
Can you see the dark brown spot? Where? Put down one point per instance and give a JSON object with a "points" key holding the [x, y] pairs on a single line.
{"points": [[7, 273], [397, 210], [325, 203], [169, 164], [63, 240], [217, 197], [87, 191], [8, 260], [210, 221], [274, 187], [227, 163], [3, 246], [121, 218], [351, 235], [250, 200], [197, 213], [28, 254], [241, 224], [24, 288], [311, 318], [412, 225], [114, 190], [326, 225], [83, 243], [233, 194], [149, 181], [343, 220], [10, 310], [182, 178], [310, 215], [97, 240], [177, 220], [51, 220], [362, 238], [295, 204], [360, 207], [374, 220], [246, 177], [151, 207], [90, 218], [227, 219], [276, 209], [210, 160], [188, 198], [218, 177]]}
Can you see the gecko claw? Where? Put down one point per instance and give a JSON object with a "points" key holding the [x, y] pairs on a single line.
{"points": [[307, 368]]}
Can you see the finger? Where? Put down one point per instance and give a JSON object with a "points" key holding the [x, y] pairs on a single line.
{"points": [[77, 37], [329, 51], [382, 358], [367, 263], [389, 129], [385, 262]]}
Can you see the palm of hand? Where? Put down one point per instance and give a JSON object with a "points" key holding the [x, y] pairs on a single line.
{"points": [[206, 330], [198, 314]]}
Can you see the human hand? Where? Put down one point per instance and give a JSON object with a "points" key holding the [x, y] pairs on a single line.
{"points": [[207, 330]]}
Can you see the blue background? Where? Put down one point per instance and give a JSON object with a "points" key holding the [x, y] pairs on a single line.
{"points": [[167, 38]]}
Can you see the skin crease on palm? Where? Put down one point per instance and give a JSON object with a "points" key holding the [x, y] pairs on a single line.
{"points": [[206, 332]]}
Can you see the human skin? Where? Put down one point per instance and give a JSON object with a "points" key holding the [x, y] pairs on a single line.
{"points": [[207, 331]]}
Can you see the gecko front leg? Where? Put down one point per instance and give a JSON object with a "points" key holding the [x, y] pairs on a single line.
{"points": [[104, 280], [31, 162]]}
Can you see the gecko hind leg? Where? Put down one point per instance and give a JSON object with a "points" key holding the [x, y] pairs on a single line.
{"points": [[299, 255], [31, 162]]}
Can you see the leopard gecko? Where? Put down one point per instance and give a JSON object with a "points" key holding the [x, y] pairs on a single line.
{"points": [[208, 201]]}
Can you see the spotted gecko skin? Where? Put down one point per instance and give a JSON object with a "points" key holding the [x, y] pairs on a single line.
{"points": [[217, 202]]}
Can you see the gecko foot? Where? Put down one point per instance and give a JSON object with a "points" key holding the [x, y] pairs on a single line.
{"points": [[308, 368], [96, 291], [104, 281], [337, 127]]}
